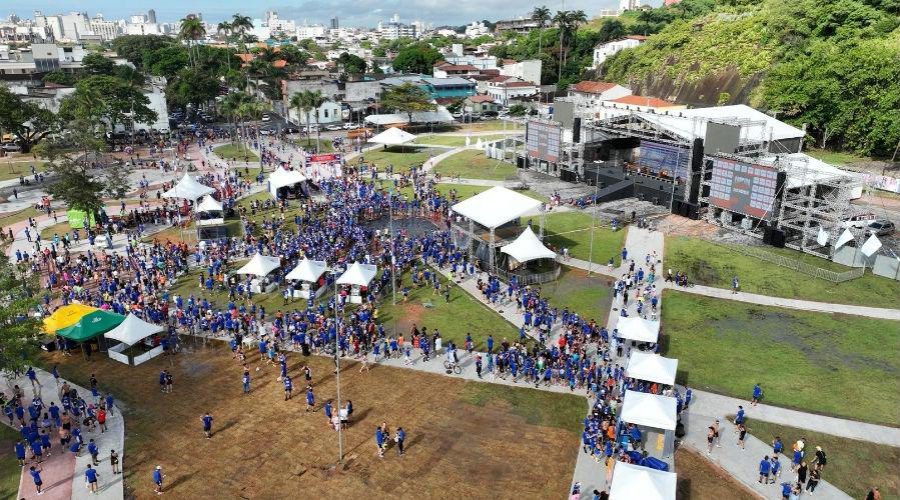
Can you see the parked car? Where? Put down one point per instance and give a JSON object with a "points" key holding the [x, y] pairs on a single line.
{"points": [[859, 221], [267, 131], [350, 126], [291, 130], [266, 118], [10, 147], [334, 128], [881, 227]]}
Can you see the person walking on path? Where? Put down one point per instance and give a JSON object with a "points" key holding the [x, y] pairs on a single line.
{"points": [[32, 377], [814, 476], [207, 421], [35, 472], [735, 285], [158, 479], [757, 395], [742, 434], [110, 404], [114, 461], [379, 441], [94, 452], [764, 468], [91, 476], [288, 388], [245, 380], [20, 453], [310, 399]]}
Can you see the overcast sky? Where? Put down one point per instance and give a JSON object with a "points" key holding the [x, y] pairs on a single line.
{"points": [[350, 12]]}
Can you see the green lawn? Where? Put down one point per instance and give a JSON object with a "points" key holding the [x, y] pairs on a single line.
{"points": [[836, 157], [60, 228], [853, 466], [547, 409], [402, 158], [237, 152], [10, 472], [589, 296], [310, 144], [189, 284], [847, 366], [463, 191], [490, 125], [16, 169], [714, 265], [473, 164], [455, 140], [11, 218], [188, 235], [572, 230], [463, 314]]}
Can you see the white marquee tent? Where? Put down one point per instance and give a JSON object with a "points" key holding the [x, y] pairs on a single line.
{"points": [[634, 481], [392, 137], [283, 178], [308, 270], [260, 265], [358, 274], [189, 189], [650, 410], [652, 367], [639, 329], [130, 332], [209, 204], [496, 206], [528, 247]]}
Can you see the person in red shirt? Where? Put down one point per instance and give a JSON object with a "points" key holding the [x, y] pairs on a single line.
{"points": [[101, 419]]}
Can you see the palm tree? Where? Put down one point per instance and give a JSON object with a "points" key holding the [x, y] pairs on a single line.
{"points": [[240, 25], [567, 21], [541, 15], [224, 28], [309, 102], [191, 30], [231, 108]]}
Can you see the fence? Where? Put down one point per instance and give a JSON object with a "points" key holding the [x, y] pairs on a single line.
{"points": [[530, 278], [803, 267]]}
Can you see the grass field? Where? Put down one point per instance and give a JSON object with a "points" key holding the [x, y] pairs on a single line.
{"points": [[455, 140], [709, 264], [402, 158], [589, 296], [188, 235], [853, 466], [473, 164], [16, 169], [462, 315], [10, 472], [60, 228], [188, 285], [236, 152], [572, 230], [11, 218], [698, 479], [489, 126], [846, 366], [836, 157], [476, 442]]}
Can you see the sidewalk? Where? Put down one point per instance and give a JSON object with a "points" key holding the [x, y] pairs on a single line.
{"points": [[63, 474]]}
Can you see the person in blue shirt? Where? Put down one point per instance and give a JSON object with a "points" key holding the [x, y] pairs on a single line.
{"points": [[207, 421], [245, 380], [32, 377], [288, 387], [757, 395], [776, 469], [310, 399], [764, 467], [158, 479], [110, 403], [490, 344], [328, 411], [379, 441], [91, 476], [36, 476], [94, 451], [786, 490], [401, 438], [739, 417], [777, 446], [20, 453]]}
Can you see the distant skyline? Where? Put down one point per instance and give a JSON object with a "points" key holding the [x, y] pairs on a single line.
{"points": [[360, 13]]}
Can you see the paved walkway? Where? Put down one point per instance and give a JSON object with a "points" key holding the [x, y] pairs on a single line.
{"points": [[63, 473]]}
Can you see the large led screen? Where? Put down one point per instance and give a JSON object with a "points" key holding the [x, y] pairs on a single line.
{"points": [[663, 159], [743, 187], [543, 140]]}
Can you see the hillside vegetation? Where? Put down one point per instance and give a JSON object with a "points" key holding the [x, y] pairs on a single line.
{"points": [[832, 65]]}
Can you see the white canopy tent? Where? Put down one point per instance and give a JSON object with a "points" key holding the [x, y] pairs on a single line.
{"points": [[634, 481], [189, 189], [650, 410], [260, 265], [358, 275], [308, 270], [496, 206], [392, 137], [652, 367], [283, 178], [528, 247], [209, 204], [130, 332], [639, 329]]}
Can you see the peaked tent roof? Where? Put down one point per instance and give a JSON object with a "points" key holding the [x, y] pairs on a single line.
{"points": [[650, 410], [132, 330], [189, 189], [209, 204], [66, 316], [528, 247], [281, 178], [440, 115], [392, 137], [358, 274], [652, 367], [308, 270], [634, 481], [92, 325], [260, 265], [637, 328], [496, 206]]}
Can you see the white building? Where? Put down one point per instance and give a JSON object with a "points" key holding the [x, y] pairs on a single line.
{"points": [[476, 29], [329, 112], [603, 51], [64, 27], [529, 70], [505, 89], [106, 30], [598, 91], [312, 31], [629, 5], [394, 30]]}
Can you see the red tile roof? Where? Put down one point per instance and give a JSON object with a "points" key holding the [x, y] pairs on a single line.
{"points": [[480, 98], [639, 100], [499, 79], [456, 67], [589, 87], [516, 84], [637, 37]]}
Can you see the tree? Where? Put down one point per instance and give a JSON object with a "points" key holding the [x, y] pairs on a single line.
{"points": [[240, 25], [191, 86], [517, 110], [18, 325], [133, 47], [26, 121], [308, 102], [351, 64], [166, 61], [224, 28], [417, 58], [59, 77], [191, 30], [97, 64], [567, 22], [541, 15], [118, 101], [407, 98]]}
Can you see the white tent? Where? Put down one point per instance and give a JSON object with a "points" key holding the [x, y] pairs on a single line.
{"points": [[496, 206], [132, 330], [528, 247], [189, 189], [260, 265], [392, 137], [283, 178], [652, 367], [440, 115], [209, 204], [649, 410], [634, 481], [639, 329], [358, 274], [307, 270]]}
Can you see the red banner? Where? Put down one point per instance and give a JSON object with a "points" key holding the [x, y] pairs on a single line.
{"points": [[324, 158]]}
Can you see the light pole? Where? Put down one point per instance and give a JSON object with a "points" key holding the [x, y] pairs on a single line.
{"points": [[337, 368], [593, 223], [393, 257]]}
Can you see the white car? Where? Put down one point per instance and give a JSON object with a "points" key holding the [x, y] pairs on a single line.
{"points": [[350, 126], [266, 118], [334, 127], [859, 221]]}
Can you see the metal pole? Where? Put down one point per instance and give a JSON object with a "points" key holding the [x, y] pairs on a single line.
{"points": [[337, 371], [675, 179], [593, 223], [393, 258]]}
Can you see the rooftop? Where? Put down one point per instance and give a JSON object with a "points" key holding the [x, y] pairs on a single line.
{"points": [[639, 100], [589, 87]]}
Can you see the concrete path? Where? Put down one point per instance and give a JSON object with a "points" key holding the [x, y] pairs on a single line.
{"points": [[63, 474]]}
